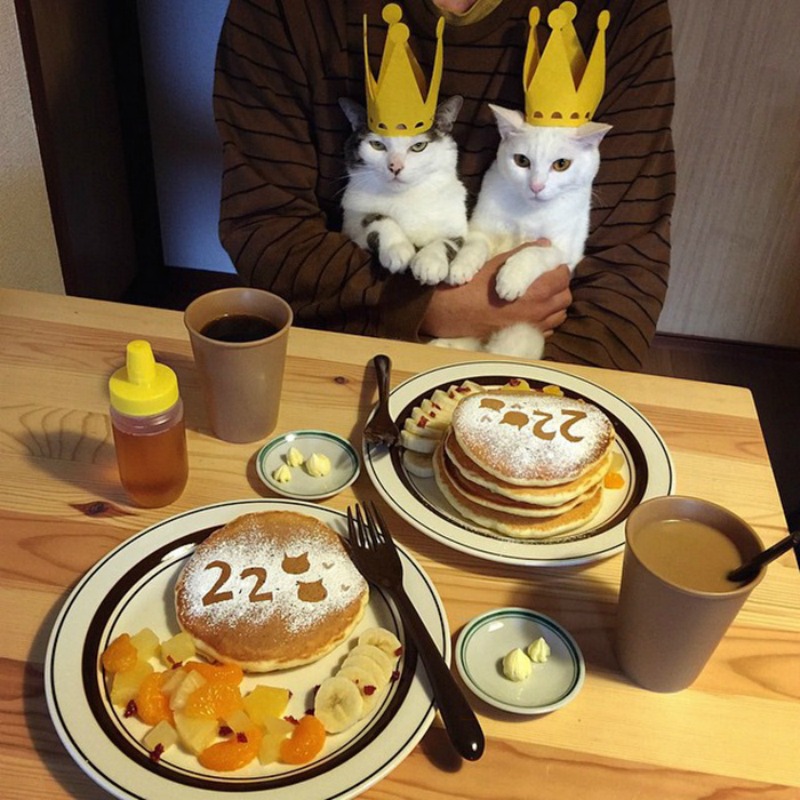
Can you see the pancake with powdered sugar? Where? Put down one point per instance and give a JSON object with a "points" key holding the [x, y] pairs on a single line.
{"points": [[269, 591], [532, 439]]}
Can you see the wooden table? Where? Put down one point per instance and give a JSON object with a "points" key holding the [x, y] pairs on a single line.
{"points": [[732, 734]]}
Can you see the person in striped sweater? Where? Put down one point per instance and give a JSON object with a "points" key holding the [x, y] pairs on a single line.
{"points": [[282, 67]]}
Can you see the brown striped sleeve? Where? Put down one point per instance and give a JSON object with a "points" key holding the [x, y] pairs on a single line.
{"points": [[281, 67], [619, 287]]}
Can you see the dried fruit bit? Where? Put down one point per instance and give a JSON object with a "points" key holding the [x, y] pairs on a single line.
{"points": [[120, 655], [233, 754], [305, 742], [613, 480]]}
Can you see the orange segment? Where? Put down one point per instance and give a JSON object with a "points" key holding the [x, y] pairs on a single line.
{"points": [[306, 741], [217, 673], [120, 655], [613, 480], [213, 700], [152, 705], [234, 753]]}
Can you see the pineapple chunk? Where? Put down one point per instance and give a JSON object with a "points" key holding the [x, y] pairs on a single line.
{"points": [[163, 735], [266, 701], [178, 649], [125, 685], [238, 721], [276, 730], [146, 643], [172, 680], [191, 682], [195, 733]]}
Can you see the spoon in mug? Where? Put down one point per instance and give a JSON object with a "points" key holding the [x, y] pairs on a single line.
{"points": [[749, 570]]}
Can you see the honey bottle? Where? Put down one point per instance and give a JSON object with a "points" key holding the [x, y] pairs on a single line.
{"points": [[149, 434]]}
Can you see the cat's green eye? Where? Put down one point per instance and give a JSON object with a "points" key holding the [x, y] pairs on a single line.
{"points": [[418, 147], [521, 160], [377, 144], [562, 164]]}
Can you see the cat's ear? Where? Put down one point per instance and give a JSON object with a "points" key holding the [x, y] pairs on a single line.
{"points": [[508, 121], [591, 134], [355, 113], [447, 112]]}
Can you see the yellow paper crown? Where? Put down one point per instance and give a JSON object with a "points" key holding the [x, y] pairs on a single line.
{"points": [[396, 102], [561, 88]]}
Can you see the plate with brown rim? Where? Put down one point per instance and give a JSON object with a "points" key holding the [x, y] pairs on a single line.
{"points": [[132, 587], [646, 468]]}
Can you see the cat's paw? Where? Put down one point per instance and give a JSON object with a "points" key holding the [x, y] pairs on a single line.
{"points": [[467, 263], [459, 343], [431, 264], [397, 254], [519, 272]]}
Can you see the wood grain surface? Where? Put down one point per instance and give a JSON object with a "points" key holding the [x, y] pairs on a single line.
{"points": [[730, 735]]}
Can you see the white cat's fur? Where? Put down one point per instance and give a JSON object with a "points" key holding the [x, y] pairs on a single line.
{"points": [[404, 198], [525, 197]]}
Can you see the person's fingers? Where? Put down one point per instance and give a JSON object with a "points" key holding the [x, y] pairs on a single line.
{"points": [[549, 324]]}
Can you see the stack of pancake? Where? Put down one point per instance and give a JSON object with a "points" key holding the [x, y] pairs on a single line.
{"points": [[270, 590], [525, 464]]}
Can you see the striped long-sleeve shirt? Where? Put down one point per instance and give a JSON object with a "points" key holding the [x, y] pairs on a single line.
{"points": [[281, 67]]}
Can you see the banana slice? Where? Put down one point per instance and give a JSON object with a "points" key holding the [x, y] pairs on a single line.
{"points": [[338, 704], [363, 681], [384, 662], [383, 640], [419, 444], [418, 464], [370, 667]]}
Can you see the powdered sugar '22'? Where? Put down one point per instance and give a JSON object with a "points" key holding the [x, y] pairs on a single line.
{"points": [[532, 438], [336, 582]]}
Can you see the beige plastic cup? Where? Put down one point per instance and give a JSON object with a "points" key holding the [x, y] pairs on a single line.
{"points": [[241, 380], [665, 632]]}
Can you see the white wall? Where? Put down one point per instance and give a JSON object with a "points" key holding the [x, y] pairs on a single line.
{"points": [[736, 254], [28, 254]]}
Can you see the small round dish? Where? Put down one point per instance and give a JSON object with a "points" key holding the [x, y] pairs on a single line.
{"points": [[301, 484], [485, 640]]}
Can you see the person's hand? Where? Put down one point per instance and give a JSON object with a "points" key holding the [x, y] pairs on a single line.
{"points": [[474, 309]]}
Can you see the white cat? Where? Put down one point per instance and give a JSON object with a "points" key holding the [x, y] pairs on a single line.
{"points": [[404, 200], [539, 186]]}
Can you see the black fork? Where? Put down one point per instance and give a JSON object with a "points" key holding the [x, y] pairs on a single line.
{"points": [[374, 553]]}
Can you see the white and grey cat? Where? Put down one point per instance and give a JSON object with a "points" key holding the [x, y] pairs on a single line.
{"points": [[404, 200], [539, 186]]}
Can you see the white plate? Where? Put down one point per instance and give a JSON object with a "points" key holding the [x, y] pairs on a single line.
{"points": [[302, 486], [132, 588], [484, 642], [647, 470]]}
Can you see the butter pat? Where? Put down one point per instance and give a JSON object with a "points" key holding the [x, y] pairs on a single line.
{"points": [[318, 465], [539, 651], [294, 458], [282, 475], [516, 665]]}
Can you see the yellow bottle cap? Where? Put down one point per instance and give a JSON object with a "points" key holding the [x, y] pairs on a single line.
{"points": [[142, 387]]}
